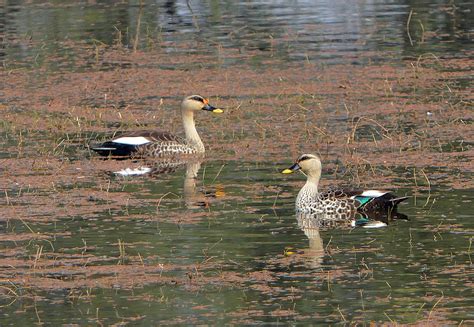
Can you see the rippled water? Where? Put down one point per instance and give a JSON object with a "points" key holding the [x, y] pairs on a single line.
{"points": [[224, 247], [398, 272], [321, 31]]}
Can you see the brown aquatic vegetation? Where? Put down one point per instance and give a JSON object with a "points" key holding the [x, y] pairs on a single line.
{"points": [[410, 110], [404, 124]]}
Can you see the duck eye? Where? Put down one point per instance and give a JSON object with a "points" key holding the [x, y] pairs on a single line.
{"points": [[304, 158], [199, 99]]}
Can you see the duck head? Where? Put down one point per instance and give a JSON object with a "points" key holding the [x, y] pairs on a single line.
{"points": [[309, 164], [197, 102]]}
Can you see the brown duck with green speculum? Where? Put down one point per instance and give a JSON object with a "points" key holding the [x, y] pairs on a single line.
{"points": [[369, 208]]}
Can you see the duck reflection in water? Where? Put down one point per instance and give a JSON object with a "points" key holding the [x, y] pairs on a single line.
{"points": [[314, 226], [194, 197], [314, 254]]}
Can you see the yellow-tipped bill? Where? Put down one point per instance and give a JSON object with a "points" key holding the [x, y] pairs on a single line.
{"points": [[213, 109], [292, 169]]}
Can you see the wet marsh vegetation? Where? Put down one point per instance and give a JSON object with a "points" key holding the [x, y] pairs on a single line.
{"points": [[216, 239]]}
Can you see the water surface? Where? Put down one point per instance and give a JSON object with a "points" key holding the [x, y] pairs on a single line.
{"points": [[383, 107]]}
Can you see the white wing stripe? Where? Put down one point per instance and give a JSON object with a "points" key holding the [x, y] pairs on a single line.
{"points": [[132, 140], [373, 193], [104, 149], [133, 171]]}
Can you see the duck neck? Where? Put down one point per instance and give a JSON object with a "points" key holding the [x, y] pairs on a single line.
{"points": [[192, 136], [311, 186], [313, 180], [309, 191]]}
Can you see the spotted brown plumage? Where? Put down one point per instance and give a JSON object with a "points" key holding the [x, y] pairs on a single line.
{"points": [[360, 207], [158, 143]]}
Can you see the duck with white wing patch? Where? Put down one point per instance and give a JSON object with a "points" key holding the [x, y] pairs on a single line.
{"points": [[161, 144], [373, 207]]}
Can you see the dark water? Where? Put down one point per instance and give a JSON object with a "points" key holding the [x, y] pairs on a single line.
{"points": [[320, 31], [420, 270], [398, 272]]}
